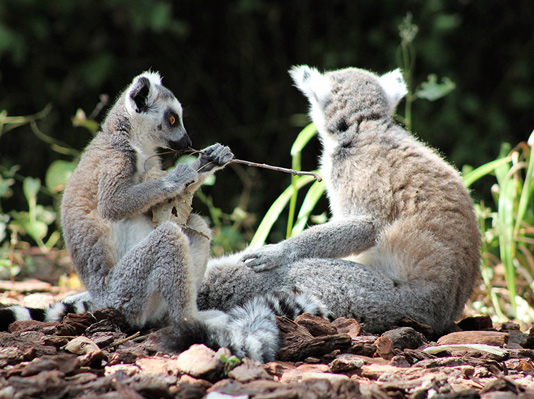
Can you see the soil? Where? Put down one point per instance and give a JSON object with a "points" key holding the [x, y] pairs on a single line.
{"points": [[96, 356]]}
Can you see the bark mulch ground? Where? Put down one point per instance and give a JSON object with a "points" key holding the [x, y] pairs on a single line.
{"points": [[95, 356]]}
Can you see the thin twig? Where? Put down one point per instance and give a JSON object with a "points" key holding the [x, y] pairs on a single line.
{"points": [[278, 169], [124, 340], [265, 166]]}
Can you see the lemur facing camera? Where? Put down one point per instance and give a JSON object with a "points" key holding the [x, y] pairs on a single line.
{"points": [[403, 239], [151, 274]]}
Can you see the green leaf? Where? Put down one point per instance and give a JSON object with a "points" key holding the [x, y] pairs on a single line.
{"points": [[81, 120], [31, 187], [5, 187], [3, 228], [474, 175], [431, 90], [37, 230], [58, 174], [312, 197], [505, 220], [527, 191], [209, 181]]}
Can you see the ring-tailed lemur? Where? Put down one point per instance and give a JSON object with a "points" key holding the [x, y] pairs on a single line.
{"points": [[151, 274], [399, 211]]}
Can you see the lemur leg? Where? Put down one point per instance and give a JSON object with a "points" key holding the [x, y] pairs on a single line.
{"points": [[199, 235], [153, 278]]}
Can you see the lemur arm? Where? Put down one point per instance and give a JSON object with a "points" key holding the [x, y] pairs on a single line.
{"points": [[334, 239], [119, 197]]}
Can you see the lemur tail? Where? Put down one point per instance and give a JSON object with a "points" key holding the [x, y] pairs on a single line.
{"points": [[247, 330], [78, 303]]}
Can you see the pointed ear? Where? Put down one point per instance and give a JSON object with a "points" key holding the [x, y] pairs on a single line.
{"points": [[395, 87], [141, 92], [312, 83]]}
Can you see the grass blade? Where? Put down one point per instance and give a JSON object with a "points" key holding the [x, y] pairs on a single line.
{"points": [[314, 194], [505, 219], [483, 170], [275, 210], [527, 189]]}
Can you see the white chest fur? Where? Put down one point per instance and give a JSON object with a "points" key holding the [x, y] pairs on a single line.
{"points": [[127, 233]]}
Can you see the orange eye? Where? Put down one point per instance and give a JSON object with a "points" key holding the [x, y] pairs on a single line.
{"points": [[172, 120]]}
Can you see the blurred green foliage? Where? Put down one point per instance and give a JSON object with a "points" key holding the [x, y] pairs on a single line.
{"points": [[227, 63]]}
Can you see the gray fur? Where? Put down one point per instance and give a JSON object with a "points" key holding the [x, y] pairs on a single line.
{"points": [[124, 261], [399, 212], [151, 274]]}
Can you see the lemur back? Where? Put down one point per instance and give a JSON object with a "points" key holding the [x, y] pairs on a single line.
{"points": [[400, 214]]}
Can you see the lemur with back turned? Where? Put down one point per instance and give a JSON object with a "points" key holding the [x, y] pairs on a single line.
{"points": [[403, 239]]}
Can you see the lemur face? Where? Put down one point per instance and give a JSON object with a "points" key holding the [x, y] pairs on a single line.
{"points": [[157, 112]]}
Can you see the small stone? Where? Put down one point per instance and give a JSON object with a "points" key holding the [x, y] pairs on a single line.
{"points": [[346, 362], [405, 338], [250, 370], [199, 361], [153, 365]]}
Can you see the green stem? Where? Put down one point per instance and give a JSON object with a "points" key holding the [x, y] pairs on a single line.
{"points": [[295, 164]]}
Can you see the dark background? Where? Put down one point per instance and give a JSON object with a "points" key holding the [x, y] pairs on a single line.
{"points": [[227, 63]]}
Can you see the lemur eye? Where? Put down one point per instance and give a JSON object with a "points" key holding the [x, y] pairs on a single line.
{"points": [[172, 120]]}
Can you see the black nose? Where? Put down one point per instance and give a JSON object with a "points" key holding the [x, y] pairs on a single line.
{"points": [[182, 144]]}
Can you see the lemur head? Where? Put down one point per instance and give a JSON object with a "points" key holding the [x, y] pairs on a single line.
{"points": [[341, 99], [155, 115]]}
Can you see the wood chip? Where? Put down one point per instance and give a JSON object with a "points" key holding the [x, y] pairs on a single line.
{"points": [[475, 337]]}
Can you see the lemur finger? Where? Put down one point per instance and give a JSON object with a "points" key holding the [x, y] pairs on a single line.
{"points": [[184, 174], [220, 154], [261, 267], [258, 264]]}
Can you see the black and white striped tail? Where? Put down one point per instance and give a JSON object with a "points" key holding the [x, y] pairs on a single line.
{"points": [[249, 330], [78, 303]]}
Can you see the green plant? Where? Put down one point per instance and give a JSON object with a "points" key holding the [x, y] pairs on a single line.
{"points": [[37, 221], [508, 230], [229, 363], [431, 89], [290, 196]]}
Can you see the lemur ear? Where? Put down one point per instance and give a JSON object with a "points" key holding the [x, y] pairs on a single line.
{"points": [[141, 92], [312, 83], [395, 87]]}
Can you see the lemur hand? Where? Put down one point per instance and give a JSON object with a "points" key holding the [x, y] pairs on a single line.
{"points": [[183, 175], [214, 156], [267, 257]]}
